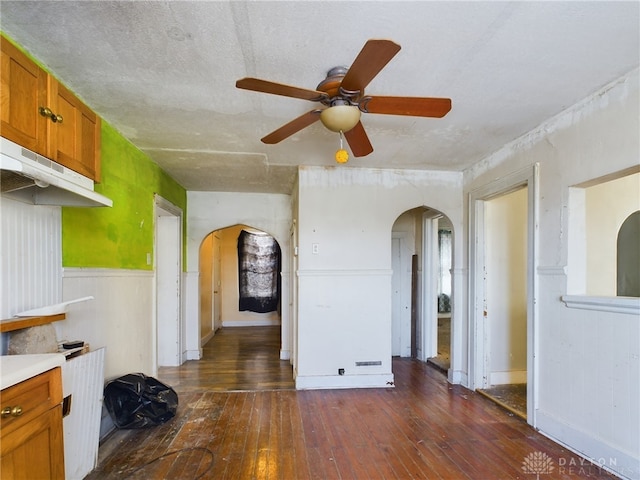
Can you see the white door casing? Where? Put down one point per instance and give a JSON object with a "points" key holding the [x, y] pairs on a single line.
{"points": [[168, 268], [478, 330]]}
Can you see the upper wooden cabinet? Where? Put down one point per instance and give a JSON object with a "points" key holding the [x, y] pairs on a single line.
{"points": [[74, 139], [41, 114], [23, 90]]}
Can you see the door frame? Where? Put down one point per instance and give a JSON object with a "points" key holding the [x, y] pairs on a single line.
{"points": [[168, 279], [478, 330]]}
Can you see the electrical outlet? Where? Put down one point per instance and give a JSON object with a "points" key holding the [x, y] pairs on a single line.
{"points": [[315, 248]]}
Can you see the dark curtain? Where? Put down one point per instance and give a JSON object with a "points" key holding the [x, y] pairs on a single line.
{"points": [[258, 272]]}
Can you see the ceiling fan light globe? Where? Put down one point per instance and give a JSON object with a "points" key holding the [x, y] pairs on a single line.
{"points": [[340, 118]]}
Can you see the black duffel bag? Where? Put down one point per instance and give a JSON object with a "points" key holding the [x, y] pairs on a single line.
{"points": [[137, 401]]}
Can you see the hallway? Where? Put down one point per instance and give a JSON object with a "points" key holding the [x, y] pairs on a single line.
{"points": [[423, 428], [236, 358]]}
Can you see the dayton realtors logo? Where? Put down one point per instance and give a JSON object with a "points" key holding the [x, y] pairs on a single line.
{"points": [[538, 463]]}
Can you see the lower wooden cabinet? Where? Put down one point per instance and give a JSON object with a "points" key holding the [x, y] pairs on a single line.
{"points": [[31, 440]]}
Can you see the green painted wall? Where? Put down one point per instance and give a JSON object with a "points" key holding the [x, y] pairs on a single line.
{"points": [[120, 236]]}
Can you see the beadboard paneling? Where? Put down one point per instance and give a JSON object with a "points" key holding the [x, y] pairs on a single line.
{"points": [[31, 256]]}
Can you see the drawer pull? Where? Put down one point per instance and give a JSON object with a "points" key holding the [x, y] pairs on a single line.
{"points": [[12, 411]]}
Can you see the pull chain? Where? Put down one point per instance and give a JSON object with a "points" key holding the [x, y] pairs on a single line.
{"points": [[342, 156]]}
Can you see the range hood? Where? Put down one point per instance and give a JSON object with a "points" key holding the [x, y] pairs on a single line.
{"points": [[32, 178]]}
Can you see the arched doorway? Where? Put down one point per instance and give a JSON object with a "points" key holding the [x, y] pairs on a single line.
{"points": [[421, 286], [240, 296], [221, 276]]}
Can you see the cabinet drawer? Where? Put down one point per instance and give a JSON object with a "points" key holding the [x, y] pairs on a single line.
{"points": [[33, 397]]}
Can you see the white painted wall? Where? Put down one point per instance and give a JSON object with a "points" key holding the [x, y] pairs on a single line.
{"points": [[210, 211], [344, 311], [587, 361]]}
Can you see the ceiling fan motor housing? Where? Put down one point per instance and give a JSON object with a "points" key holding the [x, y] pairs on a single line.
{"points": [[331, 86]]}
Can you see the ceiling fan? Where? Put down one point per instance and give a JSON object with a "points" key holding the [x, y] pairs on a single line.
{"points": [[342, 94]]}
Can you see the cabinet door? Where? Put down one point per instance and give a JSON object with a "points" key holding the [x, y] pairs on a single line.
{"points": [[75, 139], [22, 92], [35, 450]]}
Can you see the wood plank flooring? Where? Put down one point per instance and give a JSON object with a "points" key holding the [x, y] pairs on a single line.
{"points": [[424, 428], [235, 359]]}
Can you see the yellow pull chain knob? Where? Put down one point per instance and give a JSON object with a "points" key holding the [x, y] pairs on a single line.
{"points": [[342, 156]]}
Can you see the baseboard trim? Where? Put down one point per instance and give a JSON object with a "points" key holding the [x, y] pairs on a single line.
{"points": [[319, 382], [193, 354], [597, 453], [206, 338], [251, 323]]}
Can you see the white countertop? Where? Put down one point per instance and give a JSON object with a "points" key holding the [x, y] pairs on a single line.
{"points": [[17, 368]]}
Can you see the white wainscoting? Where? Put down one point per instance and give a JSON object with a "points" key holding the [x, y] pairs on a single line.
{"points": [[121, 317]]}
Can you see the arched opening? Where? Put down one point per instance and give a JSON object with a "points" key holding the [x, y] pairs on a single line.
{"points": [[628, 257], [237, 265], [422, 257]]}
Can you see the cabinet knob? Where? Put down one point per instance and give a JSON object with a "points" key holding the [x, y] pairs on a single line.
{"points": [[46, 112], [15, 411]]}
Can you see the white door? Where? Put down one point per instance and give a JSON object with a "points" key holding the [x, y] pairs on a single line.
{"points": [[168, 270], [396, 302]]}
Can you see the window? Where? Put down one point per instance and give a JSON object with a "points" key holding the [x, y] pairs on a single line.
{"points": [[444, 276]]}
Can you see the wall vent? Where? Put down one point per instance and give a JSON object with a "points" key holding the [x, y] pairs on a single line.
{"points": [[376, 363]]}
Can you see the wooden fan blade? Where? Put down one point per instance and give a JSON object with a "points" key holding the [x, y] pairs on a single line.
{"points": [[372, 58], [265, 86], [413, 106], [358, 141], [292, 127]]}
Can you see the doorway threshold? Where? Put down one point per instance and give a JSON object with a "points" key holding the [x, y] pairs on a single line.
{"points": [[440, 363], [510, 397]]}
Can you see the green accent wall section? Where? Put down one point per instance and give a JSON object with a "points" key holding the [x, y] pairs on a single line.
{"points": [[122, 236]]}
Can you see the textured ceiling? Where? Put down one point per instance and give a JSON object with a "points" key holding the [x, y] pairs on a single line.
{"points": [[164, 73]]}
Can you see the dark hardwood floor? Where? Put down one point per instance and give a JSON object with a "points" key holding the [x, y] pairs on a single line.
{"points": [[234, 359], [424, 428]]}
